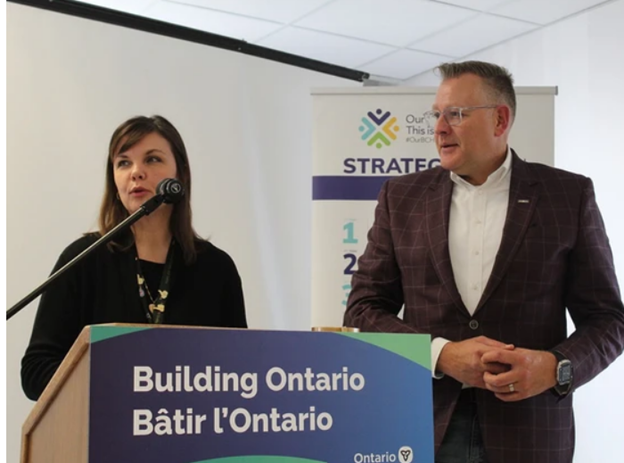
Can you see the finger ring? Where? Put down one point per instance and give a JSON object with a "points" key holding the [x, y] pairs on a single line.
{"points": [[511, 388]]}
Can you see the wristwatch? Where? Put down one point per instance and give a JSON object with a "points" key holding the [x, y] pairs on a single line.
{"points": [[564, 374]]}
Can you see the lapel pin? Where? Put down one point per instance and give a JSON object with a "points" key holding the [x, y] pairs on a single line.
{"points": [[523, 201]]}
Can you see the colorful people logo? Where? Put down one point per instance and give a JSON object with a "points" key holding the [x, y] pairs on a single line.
{"points": [[379, 128]]}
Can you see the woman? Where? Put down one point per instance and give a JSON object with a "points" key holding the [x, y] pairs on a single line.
{"points": [[160, 271]]}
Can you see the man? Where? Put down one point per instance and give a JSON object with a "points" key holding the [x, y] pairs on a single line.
{"points": [[486, 252]]}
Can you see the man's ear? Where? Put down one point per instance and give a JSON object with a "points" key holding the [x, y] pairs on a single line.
{"points": [[503, 120]]}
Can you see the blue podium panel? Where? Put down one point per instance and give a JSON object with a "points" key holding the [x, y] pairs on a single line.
{"points": [[180, 395]]}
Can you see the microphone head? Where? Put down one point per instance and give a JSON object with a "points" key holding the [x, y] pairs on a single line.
{"points": [[171, 190]]}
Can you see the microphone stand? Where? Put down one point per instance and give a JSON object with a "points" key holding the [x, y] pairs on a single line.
{"points": [[146, 208]]}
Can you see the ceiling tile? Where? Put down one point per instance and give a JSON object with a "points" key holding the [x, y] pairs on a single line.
{"points": [[473, 35], [325, 47], [544, 12], [404, 64], [226, 24], [283, 11], [392, 22], [481, 5], [363, 34]]}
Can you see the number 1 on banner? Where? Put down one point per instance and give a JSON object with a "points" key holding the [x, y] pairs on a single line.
{"points": [[349, 227]]}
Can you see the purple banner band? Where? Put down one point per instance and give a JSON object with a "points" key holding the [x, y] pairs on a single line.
{"points": [[347, 187]]}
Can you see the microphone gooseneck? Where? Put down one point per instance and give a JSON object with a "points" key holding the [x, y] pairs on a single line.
{"points": [[168, 191]]}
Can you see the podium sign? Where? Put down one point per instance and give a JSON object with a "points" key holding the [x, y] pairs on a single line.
{"points": [[181, 395]]}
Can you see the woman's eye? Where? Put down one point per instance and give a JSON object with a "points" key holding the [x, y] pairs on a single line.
{"points": [[122, 163], [153, 159]]}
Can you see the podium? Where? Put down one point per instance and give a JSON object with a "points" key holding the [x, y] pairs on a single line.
{"points": [[130, 393]]}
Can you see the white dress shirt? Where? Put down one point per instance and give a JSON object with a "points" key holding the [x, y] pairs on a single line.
{"points": [[476, 222]]}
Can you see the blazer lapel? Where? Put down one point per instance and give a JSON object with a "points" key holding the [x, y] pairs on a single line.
{"points": [[438, 205], [523, 197]]}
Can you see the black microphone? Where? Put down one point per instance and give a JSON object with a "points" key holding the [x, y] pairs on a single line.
{"points": [[171, 189], [168, 191]]}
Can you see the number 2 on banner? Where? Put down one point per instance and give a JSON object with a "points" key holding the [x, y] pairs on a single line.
{"points": [[352, 260], [349, 227]]}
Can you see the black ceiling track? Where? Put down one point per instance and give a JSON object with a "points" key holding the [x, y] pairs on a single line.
{"points": [[118, 18]]}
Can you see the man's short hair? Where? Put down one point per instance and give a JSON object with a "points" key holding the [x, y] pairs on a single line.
{"points": [[498, 80]]}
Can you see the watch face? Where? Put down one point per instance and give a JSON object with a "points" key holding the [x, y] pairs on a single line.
{"points": [[564, 372]]}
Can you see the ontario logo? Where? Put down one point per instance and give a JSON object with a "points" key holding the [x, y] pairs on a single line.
{"points": [[379, 128], [404, 455]]}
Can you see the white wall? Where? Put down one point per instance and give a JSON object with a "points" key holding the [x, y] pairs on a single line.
{"points": [[584, 57], [247, 126]]}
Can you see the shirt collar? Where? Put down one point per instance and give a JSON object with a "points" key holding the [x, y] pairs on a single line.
{"points": [[494, 178]]}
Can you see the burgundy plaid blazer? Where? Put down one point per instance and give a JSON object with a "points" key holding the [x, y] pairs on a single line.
{"points": [[554, 255]]}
